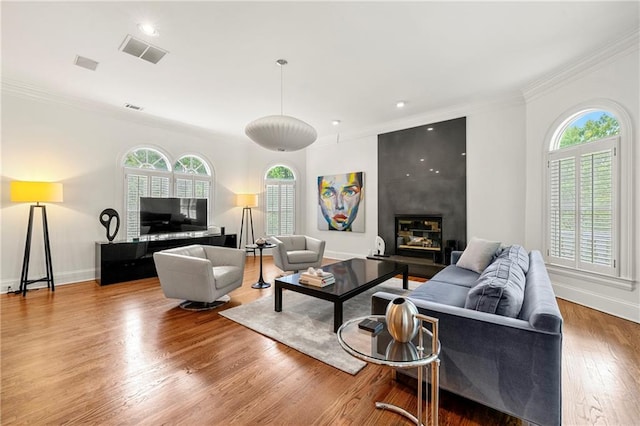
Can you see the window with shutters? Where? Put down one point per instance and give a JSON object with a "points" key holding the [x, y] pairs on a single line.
{"points": [[192, 178], [147, 173], [582, 204], [280, 201]]}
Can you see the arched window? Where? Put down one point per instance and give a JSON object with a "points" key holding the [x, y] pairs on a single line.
{"points": [[192, 177], [583, 202], [146, 174], [280, 201]]}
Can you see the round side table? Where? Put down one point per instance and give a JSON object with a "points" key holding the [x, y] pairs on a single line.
{"points": [[378, 347], [261, 282]]}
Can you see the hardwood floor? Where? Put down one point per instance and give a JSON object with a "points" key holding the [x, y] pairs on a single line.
{"points": [[124, 354]]}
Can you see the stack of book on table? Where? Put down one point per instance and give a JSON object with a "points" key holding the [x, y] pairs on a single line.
{"points": [[317, 278]]}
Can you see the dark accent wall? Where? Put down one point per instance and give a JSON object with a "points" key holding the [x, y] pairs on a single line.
{"points": [[407, 185]]}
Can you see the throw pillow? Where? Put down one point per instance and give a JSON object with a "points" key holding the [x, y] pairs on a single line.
{"points": [[518, 254], [478, 254], [499, 289]]}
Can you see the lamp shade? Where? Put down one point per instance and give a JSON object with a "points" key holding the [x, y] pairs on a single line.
{"points": [[281, 133], [246, 200], [28, 192]]}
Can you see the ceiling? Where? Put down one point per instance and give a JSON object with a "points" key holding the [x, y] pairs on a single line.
{"points": [[347, 61]]}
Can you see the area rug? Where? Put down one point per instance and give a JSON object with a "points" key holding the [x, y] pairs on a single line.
{"points": [[306, 323]]}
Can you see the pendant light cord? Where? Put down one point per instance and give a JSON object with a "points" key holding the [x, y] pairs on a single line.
{"points": [[281, 89], [282, 63]]}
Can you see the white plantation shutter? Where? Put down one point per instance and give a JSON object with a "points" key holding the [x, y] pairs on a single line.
{"points": [[280, 207], [596, 208], [562, 212], [581, 206], [184, 188], [141, 185], [287, 208], [201, 189]]}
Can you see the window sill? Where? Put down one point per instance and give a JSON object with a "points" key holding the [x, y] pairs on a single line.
{"points": [[591, 277]]}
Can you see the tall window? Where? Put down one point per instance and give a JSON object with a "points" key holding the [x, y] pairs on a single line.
{"points": [[280, 201], [192, 177], [147, 173], [582, 187]]}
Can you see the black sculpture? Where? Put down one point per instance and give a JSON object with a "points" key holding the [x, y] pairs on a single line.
{"points": [[106, 217]]}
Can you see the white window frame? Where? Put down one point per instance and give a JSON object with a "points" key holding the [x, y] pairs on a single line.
{"points": [[169, 174], [196, 178], [280, 182], [624, 222], [575, 154]]}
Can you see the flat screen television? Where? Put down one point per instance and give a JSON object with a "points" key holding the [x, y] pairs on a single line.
{"points": [[172, 215]]}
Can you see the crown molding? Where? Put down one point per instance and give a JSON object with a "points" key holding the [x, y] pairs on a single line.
{"points": [[583, 65], [27, 91]]}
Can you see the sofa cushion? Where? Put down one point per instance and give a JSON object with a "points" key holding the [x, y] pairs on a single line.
{"points": [[518, 254], [499, 290], [302, 256], [439, 292], [478, 254], [458, 276]]}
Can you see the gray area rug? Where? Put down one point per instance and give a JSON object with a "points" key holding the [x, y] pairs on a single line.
{"points": [[306, 323]]}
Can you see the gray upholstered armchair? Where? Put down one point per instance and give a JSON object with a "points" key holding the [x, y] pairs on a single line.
{"points": [[201, 275], [296, 252]]}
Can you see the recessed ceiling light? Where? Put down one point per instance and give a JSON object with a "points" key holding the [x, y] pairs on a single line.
{"points": [[335, 122], [463, 154], [422, 159], [148, 29], [430, 170], [429, 129], [408, 175], [400, 104], [437, 171]]}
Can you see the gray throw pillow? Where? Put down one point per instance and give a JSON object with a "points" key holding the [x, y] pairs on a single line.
{"points": [[478, 254], [518, 254], [499, 289]]}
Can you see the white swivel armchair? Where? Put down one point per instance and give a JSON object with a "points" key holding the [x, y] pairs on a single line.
{"points": [[296, 252], [199, 274]]}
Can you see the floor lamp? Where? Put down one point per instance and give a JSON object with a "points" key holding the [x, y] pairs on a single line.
{"points": [[38, 192], [247, 201]]}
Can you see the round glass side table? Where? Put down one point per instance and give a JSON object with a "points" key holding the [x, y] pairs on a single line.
{"points": [[378, 347]]}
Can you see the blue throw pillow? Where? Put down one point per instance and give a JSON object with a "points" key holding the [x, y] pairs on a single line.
{"points": [[499, 289], [518, 254]]}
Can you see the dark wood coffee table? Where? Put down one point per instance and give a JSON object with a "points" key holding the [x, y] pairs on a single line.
{"points": [[353, 276]]}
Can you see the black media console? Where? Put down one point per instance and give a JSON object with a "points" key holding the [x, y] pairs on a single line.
{"points": [[133, 260]]}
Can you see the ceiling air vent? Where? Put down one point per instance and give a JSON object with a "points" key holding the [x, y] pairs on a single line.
{"points": [[142, 49], [87, 63], [134, 107]]}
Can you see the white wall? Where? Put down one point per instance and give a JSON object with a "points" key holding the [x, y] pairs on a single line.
{"points": [[82, 147], [328, 157], [615, 79], [495, 174]]}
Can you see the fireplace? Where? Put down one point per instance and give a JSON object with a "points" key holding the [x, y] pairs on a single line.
{"points": [[419, 236]]}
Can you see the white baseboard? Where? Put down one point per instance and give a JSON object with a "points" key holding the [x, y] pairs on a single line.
{"points": [[59, 279], [342, 255], [616, 307]]}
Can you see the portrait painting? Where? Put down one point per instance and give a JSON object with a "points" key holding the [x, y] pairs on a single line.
{"points": [[341, 202]]}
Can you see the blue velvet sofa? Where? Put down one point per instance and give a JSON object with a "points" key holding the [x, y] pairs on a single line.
{"points": [[510, 364]]}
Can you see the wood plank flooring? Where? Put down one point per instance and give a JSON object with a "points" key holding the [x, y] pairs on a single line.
{"points": [[124, 354]]}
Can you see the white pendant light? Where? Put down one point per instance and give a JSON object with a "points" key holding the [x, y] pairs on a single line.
{"points": [[281, 132]]}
